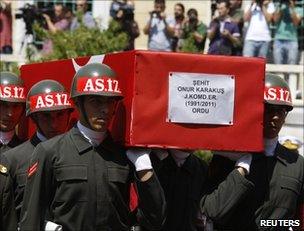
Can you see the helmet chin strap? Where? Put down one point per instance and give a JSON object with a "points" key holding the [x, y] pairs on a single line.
{"points": [[80, 102], [37, 125]]}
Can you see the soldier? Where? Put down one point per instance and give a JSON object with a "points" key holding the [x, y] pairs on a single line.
{"points": [[81, 180], [184, 178], [277, 173], [12, 104], [48, 106], [8, 219]]}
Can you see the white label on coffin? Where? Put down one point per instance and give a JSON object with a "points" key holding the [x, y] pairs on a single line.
{"points": [[197, 98]]}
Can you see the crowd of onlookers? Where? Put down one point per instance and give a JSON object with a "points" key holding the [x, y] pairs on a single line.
{"points": [[233, 30], [61, 19]]}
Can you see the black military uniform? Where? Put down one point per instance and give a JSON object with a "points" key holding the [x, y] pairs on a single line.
{"points": [[11, 82], [277, 173], [86, 187], [278, 191], [183, 187], [18, 160], [8, 219], [15, 141], [187, 192], [19, 157], [82, 186]]}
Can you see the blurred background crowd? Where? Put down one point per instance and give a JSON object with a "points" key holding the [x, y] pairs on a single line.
{"points": [[272, 29]]}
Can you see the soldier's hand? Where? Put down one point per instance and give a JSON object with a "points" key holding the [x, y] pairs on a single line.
{"points": [[140, 158], [51, 226]]}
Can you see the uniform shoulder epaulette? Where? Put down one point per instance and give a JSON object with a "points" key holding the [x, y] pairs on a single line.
{"points": [[3, 169]]}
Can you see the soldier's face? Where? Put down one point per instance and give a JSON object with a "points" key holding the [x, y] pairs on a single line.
{"points": [[99, 111], [10, 115], [274, 118], [52, 123]]}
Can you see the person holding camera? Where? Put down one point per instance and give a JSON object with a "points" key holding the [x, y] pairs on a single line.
{"points": [[123, 13], [223, 33], [59, 23], [237, 14], [194, 33], [83, 16], [179, 19], [5, 27], [159, 28], [286, 18], [259, 14]]}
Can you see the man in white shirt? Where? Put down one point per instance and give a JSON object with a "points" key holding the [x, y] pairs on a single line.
{"points": [[159, 28], [258, 37]]}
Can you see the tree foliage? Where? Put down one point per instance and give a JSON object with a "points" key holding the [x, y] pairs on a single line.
{"points": [[83, 41], [205, 155], [9, 66]]}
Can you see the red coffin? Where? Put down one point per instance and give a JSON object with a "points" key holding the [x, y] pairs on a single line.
{"points": [[141, 119]]}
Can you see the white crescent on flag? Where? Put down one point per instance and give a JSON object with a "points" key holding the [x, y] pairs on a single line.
{"points": [[93, 59]]}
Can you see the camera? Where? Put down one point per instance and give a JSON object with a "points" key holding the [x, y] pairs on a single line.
{"points": [[192, 18], [30, 14], [155, 14]]}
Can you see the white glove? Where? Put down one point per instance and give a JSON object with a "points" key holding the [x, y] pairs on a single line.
{"points": [[140, 158], [244, 162], [51, 226]]}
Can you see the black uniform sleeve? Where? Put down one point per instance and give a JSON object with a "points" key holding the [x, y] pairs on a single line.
{"points": [[38, 191], [218, 204], [8, 217], [151, 203], [300, 209]]}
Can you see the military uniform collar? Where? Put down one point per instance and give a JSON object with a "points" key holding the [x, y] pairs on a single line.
{"points": [[6, 137], [83, 145], [284, 155], [187, 165], [35, 140], [15, 141]]}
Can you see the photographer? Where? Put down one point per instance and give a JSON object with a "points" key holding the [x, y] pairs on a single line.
{"points": [[83, 16], [59, 23], [237, 14], [179, 19], [123, 12], [194, 33], [5, 27], [259, 14], [159, 28], [224, 34], [286, 17]]}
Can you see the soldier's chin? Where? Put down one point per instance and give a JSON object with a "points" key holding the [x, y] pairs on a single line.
{"points": [[6, 127], [99, 127]]}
